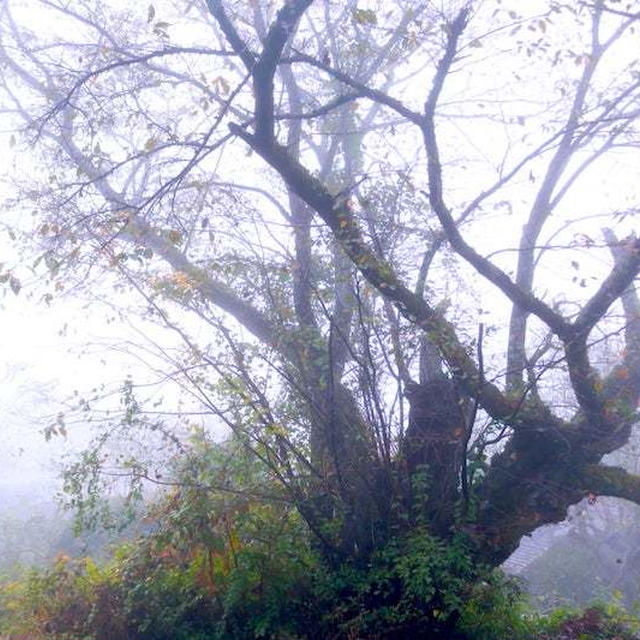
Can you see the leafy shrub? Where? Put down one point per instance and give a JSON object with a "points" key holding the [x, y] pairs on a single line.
{"points": [[413, 587], [598, 622], [135, 596], [497, 609], [272, 586], [60, 602], [227, 566]]}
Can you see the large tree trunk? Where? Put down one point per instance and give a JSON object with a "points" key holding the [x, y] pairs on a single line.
{"points": [[431, 454], [345, 504]]}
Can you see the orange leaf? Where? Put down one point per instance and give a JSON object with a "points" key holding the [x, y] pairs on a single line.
{"points": [[622, 373]]}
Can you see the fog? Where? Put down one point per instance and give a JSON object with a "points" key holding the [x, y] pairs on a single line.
{"points": [[85, 344]]}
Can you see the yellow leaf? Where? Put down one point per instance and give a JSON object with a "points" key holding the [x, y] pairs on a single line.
{"points": [[234, 541], [364, 16]]}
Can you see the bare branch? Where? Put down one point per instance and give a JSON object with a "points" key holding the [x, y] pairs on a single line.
{"points": [[624, 271], [523, 298], [126, 62], [365, 91], [265, 68], [233, 37]]}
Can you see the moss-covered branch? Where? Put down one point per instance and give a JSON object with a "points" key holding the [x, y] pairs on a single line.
{"points": [[610, 481]]}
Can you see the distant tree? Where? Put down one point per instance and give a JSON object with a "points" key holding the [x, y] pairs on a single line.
{"points": [[359, 201]]}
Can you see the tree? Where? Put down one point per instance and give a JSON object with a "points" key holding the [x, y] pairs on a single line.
{"points": [[310, 182]]}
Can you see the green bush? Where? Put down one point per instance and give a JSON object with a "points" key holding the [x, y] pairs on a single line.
{"points": [[134, 596], [275, 587], [412, 588], [497, 610], [222, 567]]}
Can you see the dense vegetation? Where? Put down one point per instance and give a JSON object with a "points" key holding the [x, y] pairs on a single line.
{"points": [[415, 589], [234, 567], [263, 581]]}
